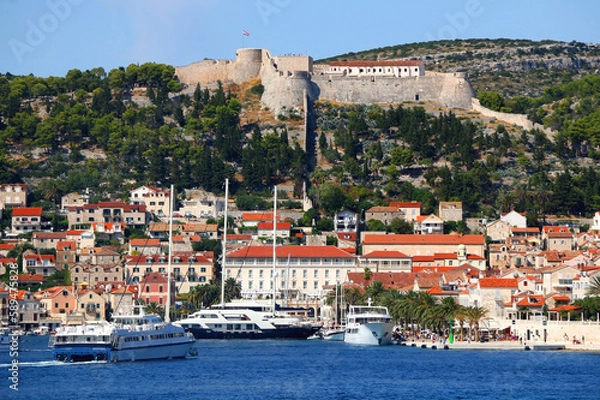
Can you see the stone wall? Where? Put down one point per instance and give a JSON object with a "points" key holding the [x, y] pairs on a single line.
{"points": [[205, 72], [512, 119], [452, 90]]}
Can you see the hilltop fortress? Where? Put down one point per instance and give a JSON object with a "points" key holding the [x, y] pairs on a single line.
{"points": [[291, 80]]}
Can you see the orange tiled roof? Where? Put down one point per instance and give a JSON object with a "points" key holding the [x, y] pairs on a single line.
{"points": [[27, 212], [269, 225], [145, 242], [66, 245], [423, 239], [406, 204], [385, 254], [499, 283], [565, 308], [532, 301], [263, 216]]}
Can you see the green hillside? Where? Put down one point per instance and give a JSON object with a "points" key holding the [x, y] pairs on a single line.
{"points": [[112, 131]]}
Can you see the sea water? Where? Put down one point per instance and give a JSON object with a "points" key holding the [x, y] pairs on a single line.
{"points": [[306, 369]]}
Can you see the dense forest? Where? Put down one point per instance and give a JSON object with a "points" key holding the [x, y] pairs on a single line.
{"points": [[112, 131], [47, 125]]}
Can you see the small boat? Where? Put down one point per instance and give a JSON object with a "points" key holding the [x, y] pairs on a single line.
{"points": [[333, 333], [132, 337], [42, 330], [6, 337], [369, 325]]}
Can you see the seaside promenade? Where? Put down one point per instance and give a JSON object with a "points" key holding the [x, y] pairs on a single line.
{"points": [[509, 345]]}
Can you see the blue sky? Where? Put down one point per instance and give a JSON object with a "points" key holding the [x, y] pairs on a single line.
{"points": [[49, 37]]}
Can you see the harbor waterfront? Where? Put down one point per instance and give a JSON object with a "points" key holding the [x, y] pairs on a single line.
{"points": [[298, 369]]}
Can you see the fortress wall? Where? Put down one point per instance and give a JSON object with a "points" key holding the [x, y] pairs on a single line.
{"points": [[393, 90], [456, 90], [512, 119], [205, 72], [294, 63], [284, 91]]}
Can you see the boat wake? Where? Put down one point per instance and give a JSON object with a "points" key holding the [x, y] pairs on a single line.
{"points": [[37, 364]]}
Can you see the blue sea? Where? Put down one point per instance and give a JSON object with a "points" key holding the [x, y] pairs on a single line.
{"points": [[307, 369]]}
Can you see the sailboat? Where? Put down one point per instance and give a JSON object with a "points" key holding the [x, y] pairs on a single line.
{"points": [[246, 319], [129, 337], [336, 331]]}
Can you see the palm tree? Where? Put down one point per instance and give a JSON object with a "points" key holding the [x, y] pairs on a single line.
{"points": [[448, 310], [461, 317], [353, 296], [154, 308], [594, 288], [233, 289], [205, 295], [375, 291], [474, 315]]}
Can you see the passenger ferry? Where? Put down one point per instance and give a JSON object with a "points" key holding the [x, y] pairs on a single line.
{"points": [[132, 337]]}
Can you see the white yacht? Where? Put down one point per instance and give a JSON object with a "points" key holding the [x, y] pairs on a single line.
{"points": [[128, 338], [246, 320], [370, 325]]}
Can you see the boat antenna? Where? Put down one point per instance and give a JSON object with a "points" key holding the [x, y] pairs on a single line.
{"points": [[274, 244], [224, 255], [170, 257]]}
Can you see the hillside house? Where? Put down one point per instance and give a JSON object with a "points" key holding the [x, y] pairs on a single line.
{"points": [[451, 211], [515, 219], [13, 195], [26, 219], [428, 225], [156, 200]]}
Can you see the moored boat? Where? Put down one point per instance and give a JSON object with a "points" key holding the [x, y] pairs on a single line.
{"points": [[246, 320], [369, 325]]}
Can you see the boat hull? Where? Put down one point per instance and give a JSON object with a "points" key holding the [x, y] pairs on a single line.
{"points": [[372, 333], [278, 333], [334, 335], [81, 353]]}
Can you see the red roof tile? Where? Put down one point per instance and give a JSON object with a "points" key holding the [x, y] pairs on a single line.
{"points": [[499, 283], [27, 212], [423, 239]]}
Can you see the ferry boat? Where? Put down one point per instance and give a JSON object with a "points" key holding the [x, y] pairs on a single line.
{"points": [[132, 337], [246, 320], [369, 325]]}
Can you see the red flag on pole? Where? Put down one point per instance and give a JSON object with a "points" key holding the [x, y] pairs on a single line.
{"points": [[245, 33]]}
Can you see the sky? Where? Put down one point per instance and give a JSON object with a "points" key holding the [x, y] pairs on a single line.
{"points": [[50, 37]]}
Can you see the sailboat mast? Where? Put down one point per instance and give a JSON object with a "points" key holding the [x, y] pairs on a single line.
{"points": [[224, 245], [170, 258], [274, 244]]}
